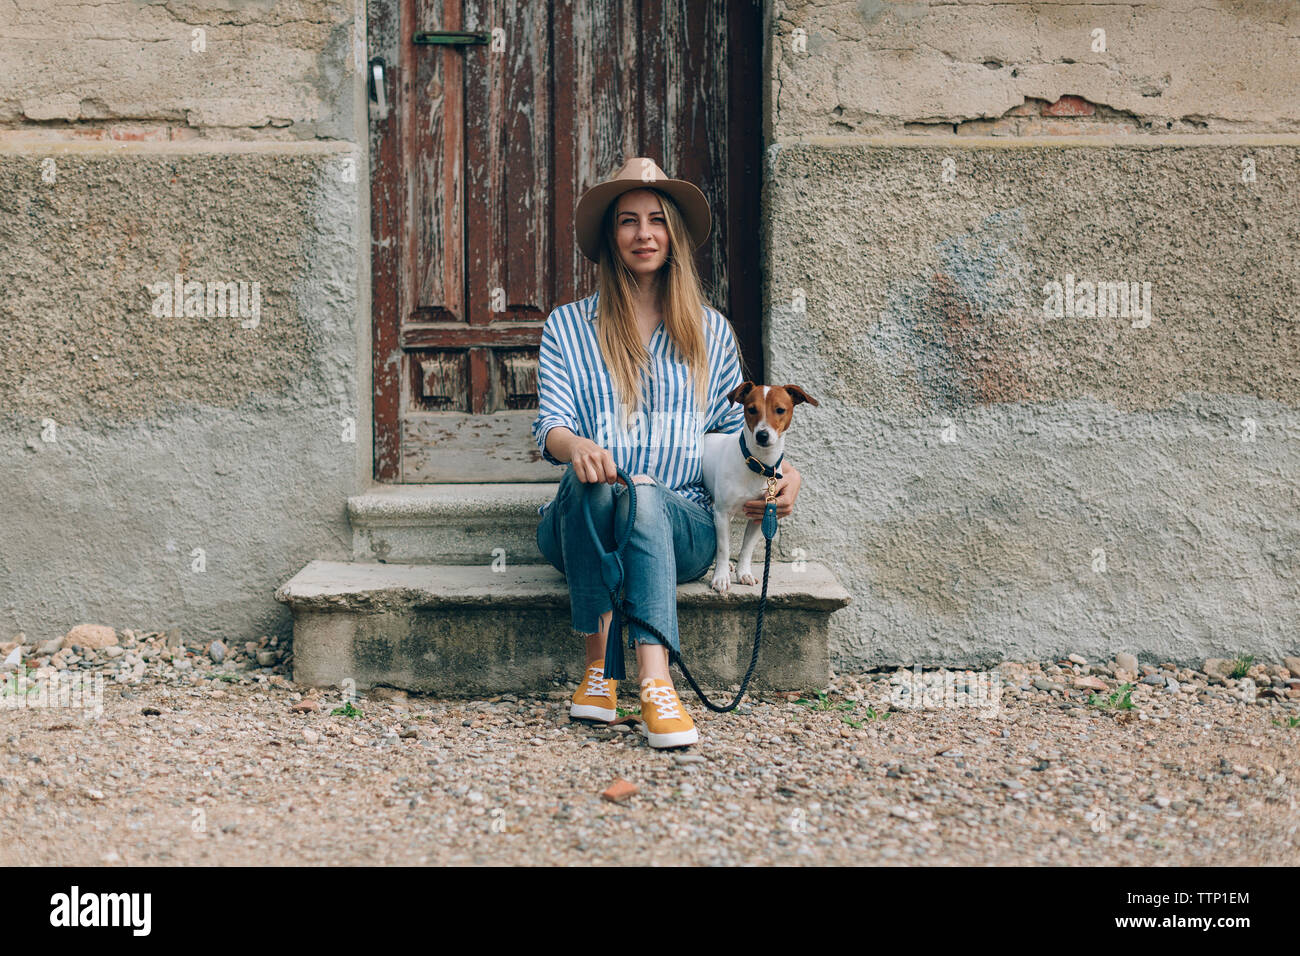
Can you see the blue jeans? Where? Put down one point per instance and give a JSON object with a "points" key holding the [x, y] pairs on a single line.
{"points": [[672, 542]]}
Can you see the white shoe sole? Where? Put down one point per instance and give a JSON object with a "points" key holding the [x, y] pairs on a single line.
{"points": [[682, 738], [592, 712]]}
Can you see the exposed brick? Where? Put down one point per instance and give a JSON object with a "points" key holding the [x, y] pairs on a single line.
{"points": [[1069, 106], [140, 134], [619, 790]]}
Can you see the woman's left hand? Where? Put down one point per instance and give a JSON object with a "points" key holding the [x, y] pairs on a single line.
{"points": [[787, 490]]}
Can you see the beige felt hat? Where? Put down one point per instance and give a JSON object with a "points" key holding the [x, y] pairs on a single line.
{"points": [[639, 172]]}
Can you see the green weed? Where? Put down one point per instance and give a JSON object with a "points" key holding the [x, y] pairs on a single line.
{"points": [[824, 702], [1121, 699]]}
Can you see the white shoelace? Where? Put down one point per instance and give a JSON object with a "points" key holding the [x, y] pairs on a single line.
{"points": [[597, 686], [665, 699]]}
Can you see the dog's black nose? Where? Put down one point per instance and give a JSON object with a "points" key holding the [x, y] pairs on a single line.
{"points": [[760, 437]]}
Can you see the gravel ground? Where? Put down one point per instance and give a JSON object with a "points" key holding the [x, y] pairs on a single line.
{"points": [[198, 762]]}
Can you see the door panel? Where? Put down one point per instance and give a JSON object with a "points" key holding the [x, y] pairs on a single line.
{"points": [[475, 174]]}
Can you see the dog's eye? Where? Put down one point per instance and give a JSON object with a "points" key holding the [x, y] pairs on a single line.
{"points": [[780, 411], [752, 409]]}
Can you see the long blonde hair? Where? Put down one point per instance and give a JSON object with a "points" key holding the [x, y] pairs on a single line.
{"points": [[683, 308]]}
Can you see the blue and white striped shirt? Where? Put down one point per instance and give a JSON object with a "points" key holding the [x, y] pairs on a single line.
{"points": [[574, 389]]}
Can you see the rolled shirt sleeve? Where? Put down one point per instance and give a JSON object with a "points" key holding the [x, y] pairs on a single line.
{"points": [[556, 404]]}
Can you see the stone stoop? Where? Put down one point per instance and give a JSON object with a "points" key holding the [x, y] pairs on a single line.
{"points": [[467, 523], [468, 630]]}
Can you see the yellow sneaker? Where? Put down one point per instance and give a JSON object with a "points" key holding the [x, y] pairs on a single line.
{"points": [[595, 698], [664, 721]]}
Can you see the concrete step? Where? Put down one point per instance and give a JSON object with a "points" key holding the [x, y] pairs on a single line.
{"points": [[466, 630], [469, 524], [449, 523]]}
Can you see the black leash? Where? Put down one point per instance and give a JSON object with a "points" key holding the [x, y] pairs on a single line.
{"points": [[611, 573]]}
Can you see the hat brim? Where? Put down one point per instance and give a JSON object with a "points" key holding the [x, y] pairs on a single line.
{"points": [[591, 210]]}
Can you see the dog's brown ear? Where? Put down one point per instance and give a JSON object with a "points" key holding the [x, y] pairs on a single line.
{"points": [[738, 393], [798, 395]]}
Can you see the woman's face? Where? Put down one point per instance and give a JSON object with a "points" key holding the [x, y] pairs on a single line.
{"points": [[641, 232]]}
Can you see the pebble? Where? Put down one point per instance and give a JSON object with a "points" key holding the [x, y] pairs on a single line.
{"points": [[310, 736], [217, 651], [619, 790], [1127, 661]]}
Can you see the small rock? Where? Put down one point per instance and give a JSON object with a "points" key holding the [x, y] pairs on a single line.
{"points": [[174, 637], [1162, 802], [13, 660], [113, 652], [48, 648], [618, 791], [1078, 659], [1217, 667], [1127, 661], [217, 651], [306, 706], [1090, 683], [1155, 680], [90, 635], [94, 794], [266, 658], [688, 758], [358, 741], [309, 736], [1292, 664], [1171, 685]]}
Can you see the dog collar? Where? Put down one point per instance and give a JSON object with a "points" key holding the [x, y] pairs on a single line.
{"points": [[767, 471]]}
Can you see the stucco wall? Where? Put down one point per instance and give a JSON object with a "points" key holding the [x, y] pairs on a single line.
{"points": [[173, 468], [993, 478]]}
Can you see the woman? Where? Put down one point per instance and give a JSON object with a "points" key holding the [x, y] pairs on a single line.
{"points": [[632, 377]]}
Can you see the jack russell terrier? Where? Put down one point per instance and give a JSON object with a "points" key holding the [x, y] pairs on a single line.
{"points": [[736, 471]]}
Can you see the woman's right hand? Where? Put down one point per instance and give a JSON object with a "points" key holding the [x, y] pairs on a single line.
{"points": [[593, 463]]}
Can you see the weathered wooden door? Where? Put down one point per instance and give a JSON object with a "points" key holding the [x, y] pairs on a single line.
{"points": [[488, 141]]}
